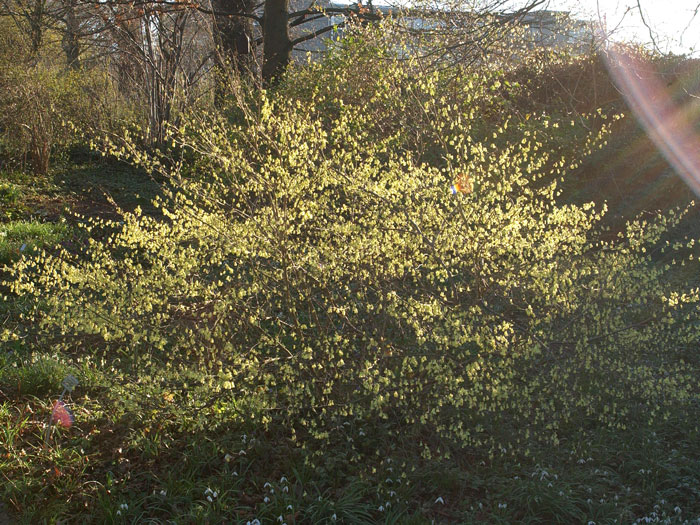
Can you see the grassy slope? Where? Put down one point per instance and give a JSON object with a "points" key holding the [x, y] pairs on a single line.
{"points": [[144, 449]]}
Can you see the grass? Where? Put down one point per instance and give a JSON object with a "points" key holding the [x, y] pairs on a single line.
{"points": [[18, 237], [142, 453], [79, 182]]}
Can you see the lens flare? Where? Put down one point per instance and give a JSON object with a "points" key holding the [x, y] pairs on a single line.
{"points": [[666, 123], [462, 184]]}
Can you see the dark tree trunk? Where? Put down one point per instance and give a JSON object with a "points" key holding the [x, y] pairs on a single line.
{"points": [[234, 35], [277, 45], [71, 37], [36, 26]]}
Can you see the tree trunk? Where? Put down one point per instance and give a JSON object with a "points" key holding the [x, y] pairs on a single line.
{"points": [[36, 26], [71, 40], [233, 35], [277, 45]]}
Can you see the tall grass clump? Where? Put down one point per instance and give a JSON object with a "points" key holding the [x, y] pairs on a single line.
{"points": [[317, 271]]}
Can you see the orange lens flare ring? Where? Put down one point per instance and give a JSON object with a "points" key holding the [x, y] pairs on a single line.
{"points": [[463, 184]]}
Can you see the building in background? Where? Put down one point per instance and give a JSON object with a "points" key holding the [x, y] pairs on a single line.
{"points": [[545, 28]]}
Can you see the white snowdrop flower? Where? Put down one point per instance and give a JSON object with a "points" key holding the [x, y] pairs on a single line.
{"points": [[214, 494], [119, 513], [23, 247], [381, 508], [663, 502], [502, 505], [289, 507], [549, 484], [241, 453], [267, 485], [392, 493], [228, 457], [124, 506], [209, 499], [388, 460], [283, 479], [390, 469], [581, 461], [319, 498], [163, 493], [266, 499], [387, 504], [362, 433], [440, 500], [234, 473], [677, 510], [589, 501], [285, 489], [516, 477], [591, 523], [244, 438], [208, 491], [388, 480], [561, 492], [334, 517], [272, 491], [280, 518]]}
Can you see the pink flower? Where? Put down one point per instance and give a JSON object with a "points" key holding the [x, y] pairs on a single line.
{"points": [[61, 415]]}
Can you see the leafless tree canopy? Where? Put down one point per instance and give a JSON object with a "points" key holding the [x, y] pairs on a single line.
{"points": [[166, 52]]}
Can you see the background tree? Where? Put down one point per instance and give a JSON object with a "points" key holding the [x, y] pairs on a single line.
{"points": [[234, 35]]}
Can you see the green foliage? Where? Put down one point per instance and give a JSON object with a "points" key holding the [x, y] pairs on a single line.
{"points": [[321, 286], [334, 270], [405, 106], [10, 194]]}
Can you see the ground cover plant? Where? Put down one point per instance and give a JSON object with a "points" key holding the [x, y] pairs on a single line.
{"points": [[360, 297]]}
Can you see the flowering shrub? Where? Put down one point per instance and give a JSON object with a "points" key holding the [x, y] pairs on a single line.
{"points": [[324, 278]]}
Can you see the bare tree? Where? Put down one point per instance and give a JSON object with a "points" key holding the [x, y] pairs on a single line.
{"points": [[32, 18], [159, 49]]}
